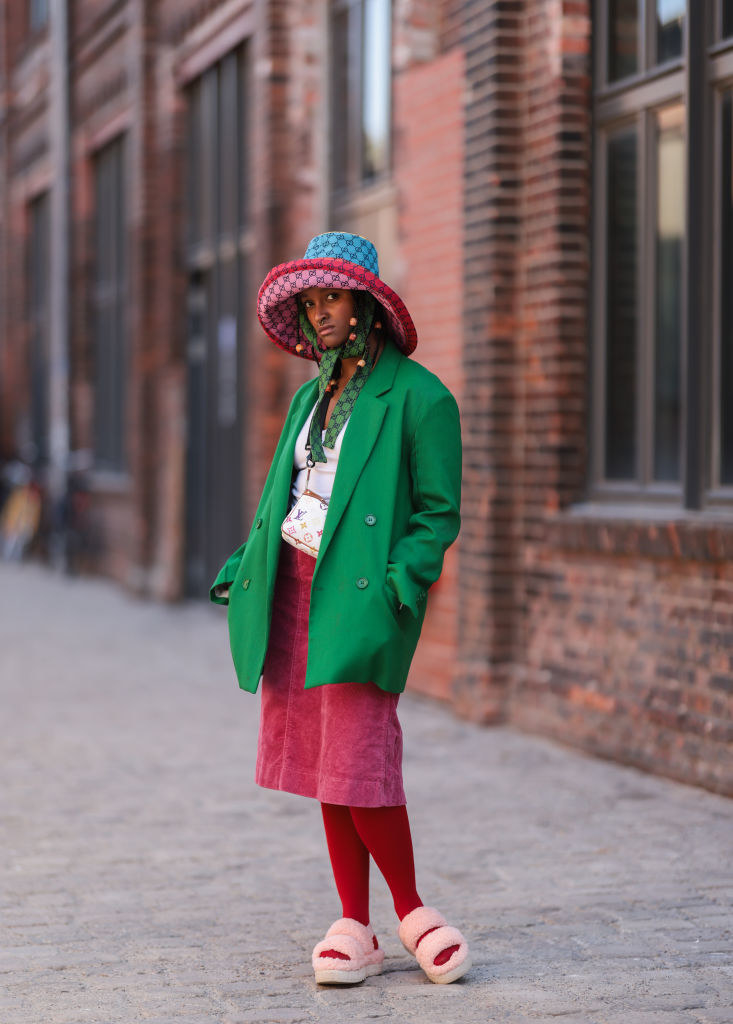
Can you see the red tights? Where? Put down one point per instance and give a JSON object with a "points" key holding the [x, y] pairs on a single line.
{"points": [[352, 834]]}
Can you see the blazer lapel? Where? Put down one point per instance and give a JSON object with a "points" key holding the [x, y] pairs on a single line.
{"points": [[361, 434], [284, 474]]}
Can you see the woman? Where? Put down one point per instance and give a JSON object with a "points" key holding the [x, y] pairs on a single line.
{"points": [[377, 437]]}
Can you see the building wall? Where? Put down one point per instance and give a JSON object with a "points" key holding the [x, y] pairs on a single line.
{"points": [[626, 618], [28, 172], [107, 89], [489, 599], [607, 632], [130, 65], [429, 129], [630, 626]]}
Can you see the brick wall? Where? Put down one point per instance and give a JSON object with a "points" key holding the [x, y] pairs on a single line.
{"points": [[108, 95], [277, 143], [622, 644], [554, 279], [490, 33], [429, 178], [608, 633], [630, 633], [526, 216]]}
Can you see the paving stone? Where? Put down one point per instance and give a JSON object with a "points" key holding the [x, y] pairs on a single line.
{"points": [[146, 878]]}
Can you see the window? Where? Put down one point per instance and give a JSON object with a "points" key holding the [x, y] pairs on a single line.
{"points": [[642, 35], [109, 307], [726, 17], [361, 92], [663, 242], [623, 39], [37, 14], [670, 17], [723, 355]]}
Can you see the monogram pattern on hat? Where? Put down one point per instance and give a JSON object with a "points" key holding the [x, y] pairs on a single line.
{"points": [[278, 311], [345, 246]]}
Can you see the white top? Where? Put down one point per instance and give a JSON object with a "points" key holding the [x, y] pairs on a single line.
{"points": [[322, 475]]}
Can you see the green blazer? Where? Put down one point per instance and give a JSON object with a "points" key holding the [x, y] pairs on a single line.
{"points": [[393, 512]]}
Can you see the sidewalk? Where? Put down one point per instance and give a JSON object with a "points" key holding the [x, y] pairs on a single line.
{"points": [[146, 878]]}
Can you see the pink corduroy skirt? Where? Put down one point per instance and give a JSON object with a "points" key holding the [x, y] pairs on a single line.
{"points": [[340, 743]]}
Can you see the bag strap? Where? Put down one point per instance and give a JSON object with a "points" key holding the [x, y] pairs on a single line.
{"points": [[320, 412]]}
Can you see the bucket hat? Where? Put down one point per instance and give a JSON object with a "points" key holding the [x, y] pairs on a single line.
{"points": [[335, 259]]}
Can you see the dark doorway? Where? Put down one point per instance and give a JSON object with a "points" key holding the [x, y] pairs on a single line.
{"points": [[215, 256]]}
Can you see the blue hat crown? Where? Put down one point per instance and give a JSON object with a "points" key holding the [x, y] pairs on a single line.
{"points": [[344, 246]]}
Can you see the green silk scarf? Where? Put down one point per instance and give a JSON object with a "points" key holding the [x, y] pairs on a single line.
{"points": [[329, 369]]}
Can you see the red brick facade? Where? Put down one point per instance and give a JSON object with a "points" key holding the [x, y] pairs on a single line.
{"points": [[608, 632], [628, 649], [429, 159]]}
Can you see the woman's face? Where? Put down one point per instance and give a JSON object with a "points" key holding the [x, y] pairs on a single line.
{"points": [[329, 311]]}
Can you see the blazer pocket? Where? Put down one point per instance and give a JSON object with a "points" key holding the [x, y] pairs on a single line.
{"points": [[394, 605]]}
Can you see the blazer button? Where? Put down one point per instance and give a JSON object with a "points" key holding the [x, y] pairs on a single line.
{"points": [[258, 524], [245, 584], [362, 583], [370, 520]]}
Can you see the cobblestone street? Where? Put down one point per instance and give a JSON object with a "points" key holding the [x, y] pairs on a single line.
{"points": [[146, 878]]}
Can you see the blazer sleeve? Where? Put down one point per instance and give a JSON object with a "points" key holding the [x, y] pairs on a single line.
{"points": [[219, 590], [416, 559]]}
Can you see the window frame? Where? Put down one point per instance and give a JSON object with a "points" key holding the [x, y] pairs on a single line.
{"points": [[647, 65], [355, 181], [619, 106], [699, 80], [718, 23], [720, 86]]}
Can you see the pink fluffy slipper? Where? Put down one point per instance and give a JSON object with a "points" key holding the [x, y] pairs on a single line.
{"points": [[425, 933], [358, 958]]}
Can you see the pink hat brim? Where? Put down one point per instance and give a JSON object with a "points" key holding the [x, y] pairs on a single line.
{"points": [[277, 306]]}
